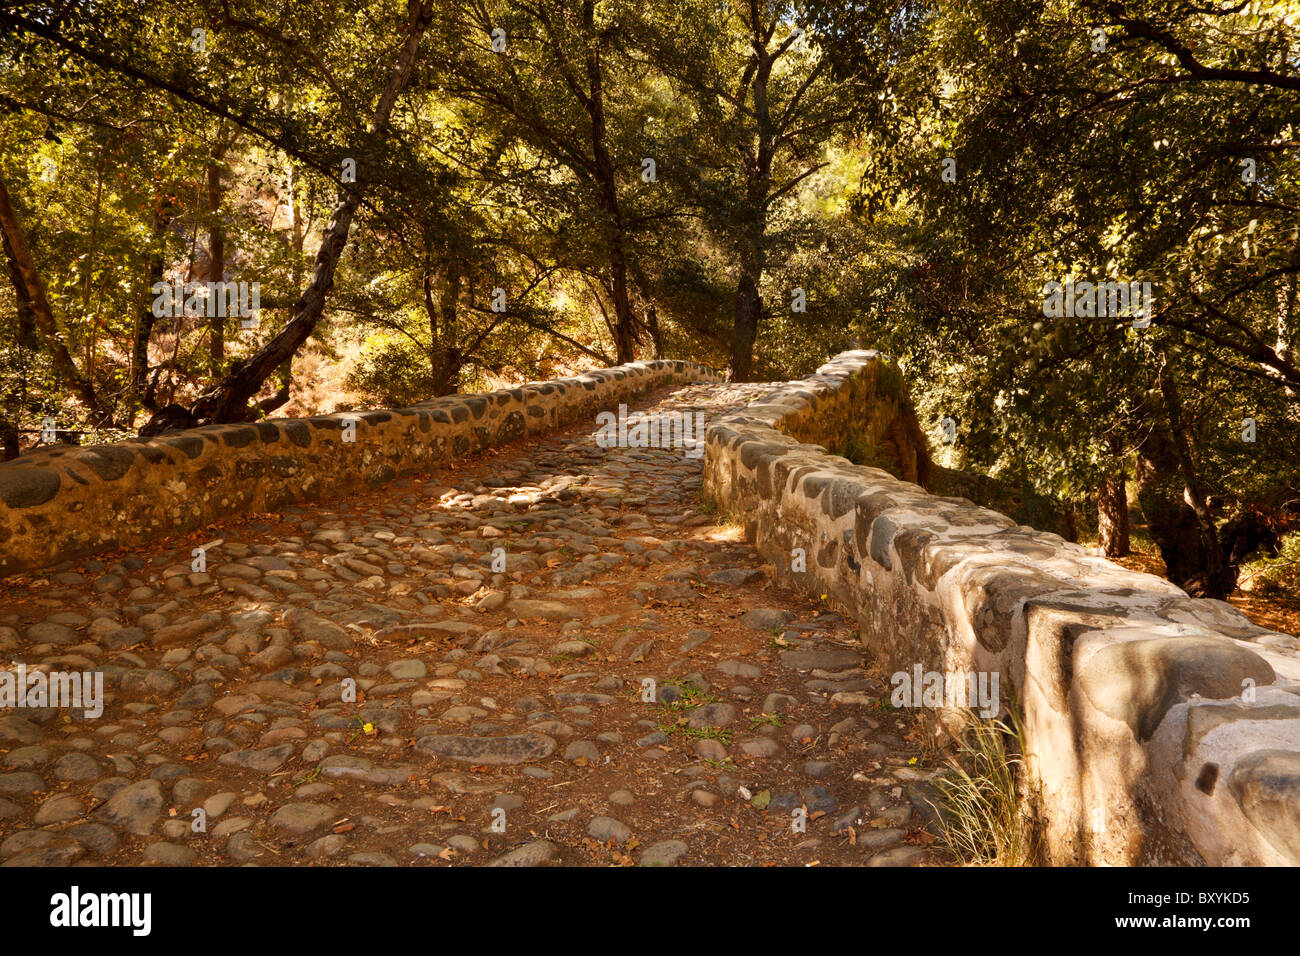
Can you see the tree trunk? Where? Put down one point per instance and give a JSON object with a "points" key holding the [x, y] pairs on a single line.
{"points": [[447, 365], [23, 267], [445, 356], [625, 333], [26, 342], [140, 393], [1220, 578], [228, 400], [8, 439], [1112, 514], [295, 213], [1288, 304], [1166, 484], [283, 393], [88, 360], [1070, 518], [625, 336], [656, 337], [749, 307], [217, 263], [1170, 521], [753, 216]]}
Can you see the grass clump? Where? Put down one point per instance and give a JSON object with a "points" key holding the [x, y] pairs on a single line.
{"points": [[982, 813]]}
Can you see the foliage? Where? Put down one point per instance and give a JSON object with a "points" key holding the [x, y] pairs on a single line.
{"points": [[798, 147]]}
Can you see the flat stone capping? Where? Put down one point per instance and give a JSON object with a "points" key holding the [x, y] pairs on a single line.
{"points": [[68, 501], [1158, 729]]}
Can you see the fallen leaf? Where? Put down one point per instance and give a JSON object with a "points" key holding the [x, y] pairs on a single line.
{"points": [[919, 837]]}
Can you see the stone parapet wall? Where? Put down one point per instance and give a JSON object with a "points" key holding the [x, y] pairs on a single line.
{"points": [[68, 501], [1157, 728]]}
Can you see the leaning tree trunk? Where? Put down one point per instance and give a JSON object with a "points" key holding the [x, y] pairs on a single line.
{"points": [[23, 270], [26, 342], [228, 400]]}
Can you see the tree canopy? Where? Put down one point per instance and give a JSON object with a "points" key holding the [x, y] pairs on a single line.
{"points": [[443, 195]]}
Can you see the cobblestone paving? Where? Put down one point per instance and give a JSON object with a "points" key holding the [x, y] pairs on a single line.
{"points": [[499, 717]]}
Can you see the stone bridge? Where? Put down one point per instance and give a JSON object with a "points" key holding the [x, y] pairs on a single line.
{"points": [[479, 631]]}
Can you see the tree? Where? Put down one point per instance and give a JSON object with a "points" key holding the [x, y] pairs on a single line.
{"points": [[1037, 143], [557, 81], [227, 401], [29, 289], [766, 101]]}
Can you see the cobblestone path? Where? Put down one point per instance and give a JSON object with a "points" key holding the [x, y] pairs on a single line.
{"points": [[499, 717]]}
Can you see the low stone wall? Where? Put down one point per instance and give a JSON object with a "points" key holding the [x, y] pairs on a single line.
{"points": [[64, 502], [1158, 729]]}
